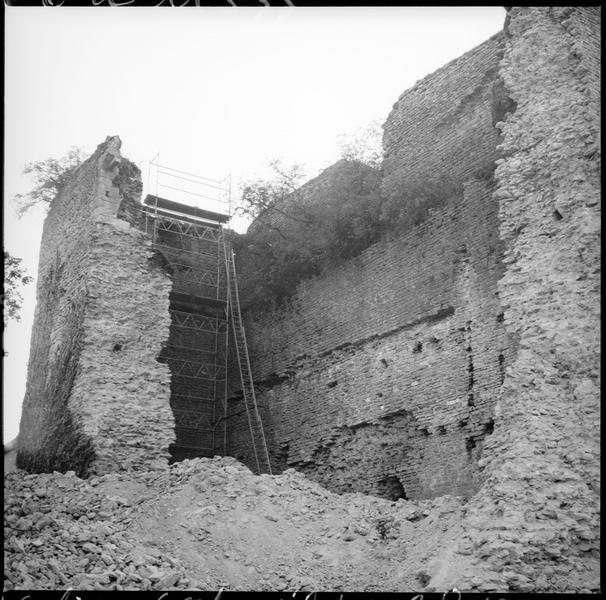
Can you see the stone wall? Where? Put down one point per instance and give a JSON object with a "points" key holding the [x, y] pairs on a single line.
{"points": [[330, 217], [460, 356], [96, 398], [534, 525], [382, 375]]}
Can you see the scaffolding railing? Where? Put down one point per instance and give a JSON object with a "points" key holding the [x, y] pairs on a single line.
{"points": [[189, 188]]}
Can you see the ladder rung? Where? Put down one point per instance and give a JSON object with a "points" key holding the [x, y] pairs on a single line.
{"points": [[255, 423]]}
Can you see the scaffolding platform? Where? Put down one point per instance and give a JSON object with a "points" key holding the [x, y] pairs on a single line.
{"points": [[165, 207], [195, 304]]}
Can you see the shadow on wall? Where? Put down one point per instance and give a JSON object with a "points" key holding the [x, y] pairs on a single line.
{"points": [[351, 456]]}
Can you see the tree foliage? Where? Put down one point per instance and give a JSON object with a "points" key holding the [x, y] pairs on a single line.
{"points": [[364, 144], [262, 195], [49, 176], [14, 277], [298, 232]]}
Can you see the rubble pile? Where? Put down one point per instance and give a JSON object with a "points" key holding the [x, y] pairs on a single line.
{"points": [[209, 524]]}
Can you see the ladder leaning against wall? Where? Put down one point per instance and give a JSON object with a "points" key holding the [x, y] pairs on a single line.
{"points": [[258, 440]]}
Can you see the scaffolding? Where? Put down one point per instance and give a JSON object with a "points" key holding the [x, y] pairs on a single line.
{"points": [[203, 302]]}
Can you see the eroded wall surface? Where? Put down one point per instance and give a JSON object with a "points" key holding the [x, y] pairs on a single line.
{"points": [[384, 372], [330, 185], [381, 376], [96, 398], [534, 525], [441, 131]]}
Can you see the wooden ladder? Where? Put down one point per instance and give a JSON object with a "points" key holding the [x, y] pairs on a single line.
{"points": [[259, 443]]}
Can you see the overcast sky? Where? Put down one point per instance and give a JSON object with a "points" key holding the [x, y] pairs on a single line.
{"points": [[213, 90]]}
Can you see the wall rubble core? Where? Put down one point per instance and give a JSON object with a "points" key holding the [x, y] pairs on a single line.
{"points": [[534, 524], [96, 399]]}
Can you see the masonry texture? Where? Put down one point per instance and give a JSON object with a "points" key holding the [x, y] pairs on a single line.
{"points": [[381, 376], [441, 132], [535, 523], [458, 354], [345, 176], [463, 357], [96, 399]]}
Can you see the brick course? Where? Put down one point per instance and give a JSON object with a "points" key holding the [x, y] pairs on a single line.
{"points": [[440, 133], [411, 326], [382, 374]]}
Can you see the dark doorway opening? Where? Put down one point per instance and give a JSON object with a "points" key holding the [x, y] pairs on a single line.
{"points": [[391, 487]]}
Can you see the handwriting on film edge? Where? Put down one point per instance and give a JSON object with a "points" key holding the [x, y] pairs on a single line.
{"points": [[174, 3], [310, 596]]}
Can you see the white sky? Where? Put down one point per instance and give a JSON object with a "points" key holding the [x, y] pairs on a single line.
{"points": [[214, 90]]}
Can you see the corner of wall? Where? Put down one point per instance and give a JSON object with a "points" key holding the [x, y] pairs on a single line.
{"points": [[96, 398], [534, 524]]}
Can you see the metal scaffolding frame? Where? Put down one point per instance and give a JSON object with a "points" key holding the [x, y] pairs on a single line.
{"points": [[192, 242]]}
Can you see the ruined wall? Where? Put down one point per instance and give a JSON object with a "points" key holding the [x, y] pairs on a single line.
{"points": [[534, 525], [96, 399], [329, 185], [381, 375], [331, 217], [401, 350], [441, 131]]}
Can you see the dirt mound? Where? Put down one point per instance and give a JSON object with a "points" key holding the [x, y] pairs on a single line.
{"points": [[208, 524]]}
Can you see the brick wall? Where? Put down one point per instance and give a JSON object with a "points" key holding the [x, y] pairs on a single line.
{"points": [[381, 375], [96, 398], [329, 185], [400, 351], [441, 132]]}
